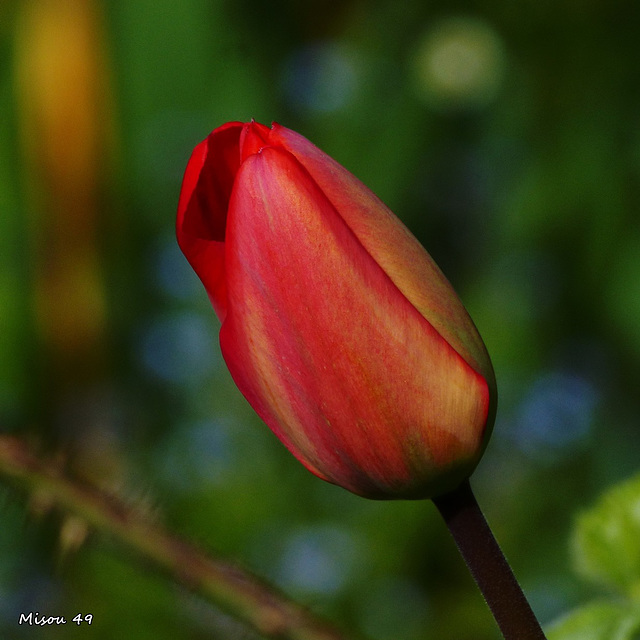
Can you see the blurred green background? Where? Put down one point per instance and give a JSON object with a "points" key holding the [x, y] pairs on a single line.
{"points": [[505, 135]]}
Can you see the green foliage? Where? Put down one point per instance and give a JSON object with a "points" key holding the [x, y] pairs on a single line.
{"points": [[606, 543], [606, 551], [599, 621]]}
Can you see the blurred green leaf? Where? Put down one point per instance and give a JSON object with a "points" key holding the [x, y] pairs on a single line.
{"points": [[606, 542], [598, 621]]}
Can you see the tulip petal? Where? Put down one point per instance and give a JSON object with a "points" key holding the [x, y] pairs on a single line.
{"points": [[394, 248], [254, 137], [202, 209], [325, 346]]}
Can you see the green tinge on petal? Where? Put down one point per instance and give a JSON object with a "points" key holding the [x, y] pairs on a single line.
{"points": [[394, 248]]}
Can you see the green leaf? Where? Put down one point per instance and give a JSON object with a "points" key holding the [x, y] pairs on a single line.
{"points": [[598, 621], [606, 541]]}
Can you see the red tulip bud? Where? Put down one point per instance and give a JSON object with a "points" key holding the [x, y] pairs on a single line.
{"points": [[337, 326]]}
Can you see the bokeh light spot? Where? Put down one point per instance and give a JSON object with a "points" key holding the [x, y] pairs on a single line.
{"points": [[318, 560], [319, 78], [459, 64], [178, 348], [196, 455], [555, 416]]}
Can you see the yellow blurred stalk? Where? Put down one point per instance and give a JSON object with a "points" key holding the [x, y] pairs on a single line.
{"points": [[67, 134], [65, 113]]}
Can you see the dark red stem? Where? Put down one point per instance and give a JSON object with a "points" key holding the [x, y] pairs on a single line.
{"points": [[487, 564]]}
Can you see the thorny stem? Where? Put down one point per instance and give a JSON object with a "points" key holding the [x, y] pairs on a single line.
{"points": [[233, 589], [487, 564]]}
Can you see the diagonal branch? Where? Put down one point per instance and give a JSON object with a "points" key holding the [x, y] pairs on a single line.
{"points": [[231, 588]]}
